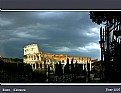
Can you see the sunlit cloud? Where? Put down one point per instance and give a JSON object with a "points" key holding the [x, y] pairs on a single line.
{"points": [[90, 47], [63, 49]]}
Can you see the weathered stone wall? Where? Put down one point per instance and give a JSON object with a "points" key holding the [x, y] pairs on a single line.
{"points": [[54, 57], [32, 55], [31, 49]]}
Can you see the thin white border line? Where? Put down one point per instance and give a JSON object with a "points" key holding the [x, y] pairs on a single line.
{"points": [[86, 84], [58, 83], [58, 10]]}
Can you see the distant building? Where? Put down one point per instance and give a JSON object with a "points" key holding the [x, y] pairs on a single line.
{"points": [[95, 60], [34, 57], [6, 59], [1, 56]]}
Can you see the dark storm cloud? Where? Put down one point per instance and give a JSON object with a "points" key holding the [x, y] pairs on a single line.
{"points": [[71, 33]]}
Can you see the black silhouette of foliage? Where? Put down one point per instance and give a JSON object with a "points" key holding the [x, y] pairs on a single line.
{"points": [[16, 72], [72, 67], [76, 69], [58, 69], [112, 59], [66, 68], [100, 17], [38, 76]]}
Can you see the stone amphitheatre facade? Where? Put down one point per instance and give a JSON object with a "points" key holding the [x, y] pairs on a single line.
{"points": [[38, 59]]}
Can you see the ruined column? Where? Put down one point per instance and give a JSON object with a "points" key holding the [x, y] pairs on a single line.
{"points": [[43, 64], [32, 66], [53, 66], [63, 67], [33, 57], [90, 65], [83, 63], [35, 66], [26, 58], [39, 57], [86, 64], [38, 65]]}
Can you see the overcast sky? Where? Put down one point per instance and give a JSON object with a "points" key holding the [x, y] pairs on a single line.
{"points": [[71, 33]]}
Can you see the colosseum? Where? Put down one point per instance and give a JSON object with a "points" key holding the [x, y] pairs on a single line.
{"points": [[38, 59]]}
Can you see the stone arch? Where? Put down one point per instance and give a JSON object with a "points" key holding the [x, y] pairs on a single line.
{"points": [[37, 57], [40, 65], [34, 57]]}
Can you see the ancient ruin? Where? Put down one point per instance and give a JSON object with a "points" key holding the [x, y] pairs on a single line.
{"points": [[38, 59]]}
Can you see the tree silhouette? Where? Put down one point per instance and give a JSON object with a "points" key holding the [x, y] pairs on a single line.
{"points": [[58, 69], [76, 69], [66, 68], [112, 59], [72, 66], [100, 17], [16, 72]]}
